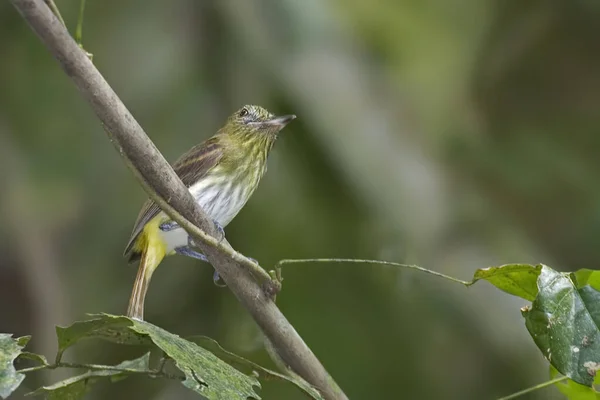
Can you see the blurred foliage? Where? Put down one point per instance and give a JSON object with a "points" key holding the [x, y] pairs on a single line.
{"points": [[454, 135]]}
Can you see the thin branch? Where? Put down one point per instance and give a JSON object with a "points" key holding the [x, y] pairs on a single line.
{"points": [[79, 29], [54, 8], [281, 263], [534, 388], [98, 367], [160, 181], [33, 369]]}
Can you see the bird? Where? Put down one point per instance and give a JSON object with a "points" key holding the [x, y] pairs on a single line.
{"points": [[221, 173]]}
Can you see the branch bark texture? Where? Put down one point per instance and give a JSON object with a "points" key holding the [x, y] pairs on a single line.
{"points": [[162, 184]]}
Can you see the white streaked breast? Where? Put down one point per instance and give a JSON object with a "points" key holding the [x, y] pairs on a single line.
{"points": [[221, 202]]}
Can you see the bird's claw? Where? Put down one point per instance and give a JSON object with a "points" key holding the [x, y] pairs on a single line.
{"points": [[271, 287], [217, 278], [168, 226], [276, 275], [172, 225], [191, 242], [220, 230], [189, 252]]}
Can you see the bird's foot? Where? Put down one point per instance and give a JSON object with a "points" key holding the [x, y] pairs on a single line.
{"points": [[220, 231], [272, 286], [217, 277], [187, 251], [168, 226], [172, 225]]}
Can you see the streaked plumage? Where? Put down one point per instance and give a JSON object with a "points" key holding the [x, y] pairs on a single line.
{"points": [[221, 173]]}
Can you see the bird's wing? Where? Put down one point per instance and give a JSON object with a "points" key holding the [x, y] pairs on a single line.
{"points": [[190, 167]]}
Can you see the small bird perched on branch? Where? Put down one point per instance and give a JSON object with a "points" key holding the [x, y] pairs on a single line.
{"points": [[221, 173]]}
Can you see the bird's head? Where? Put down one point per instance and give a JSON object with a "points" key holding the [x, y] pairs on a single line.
{"points": [[254, 121]]}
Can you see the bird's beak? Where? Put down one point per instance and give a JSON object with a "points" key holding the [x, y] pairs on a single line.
{"points": [[280, 122]]}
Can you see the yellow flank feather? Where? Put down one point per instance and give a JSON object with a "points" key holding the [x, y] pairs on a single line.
{"points": [[153, 249]]}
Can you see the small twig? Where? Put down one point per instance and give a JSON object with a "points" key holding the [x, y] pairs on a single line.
{"points": [[55, 11], [97, 367], [79, 29], [359, 261], [534, 388], [33, 369]]}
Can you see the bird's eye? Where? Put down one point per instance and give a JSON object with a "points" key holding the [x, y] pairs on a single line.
{"points": [[243, 112]]}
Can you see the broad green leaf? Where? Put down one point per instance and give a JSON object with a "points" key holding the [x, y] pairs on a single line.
{"points": [[585, 277], [205, 373], [76, 387], [573, 390], [10, 349], [564, 323], [516, 279], [249, 367]]}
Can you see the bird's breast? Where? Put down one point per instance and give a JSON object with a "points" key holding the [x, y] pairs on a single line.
{"points": [[223, 195]]}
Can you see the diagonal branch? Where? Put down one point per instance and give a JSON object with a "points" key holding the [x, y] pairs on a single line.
{"points": [[160, 181]]}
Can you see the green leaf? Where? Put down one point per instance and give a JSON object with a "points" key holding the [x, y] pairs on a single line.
{"points": [[516, 279], [563, 321], [35, 357], [10, 349], [23, 340], [585, 277], [573, 390], [205, 373], [116, 329], [249, 367], [76, 387]]}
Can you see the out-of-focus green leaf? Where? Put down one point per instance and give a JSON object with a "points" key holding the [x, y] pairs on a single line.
{"points": [[205, 373], [10, 349], [584, 277], [76, 387], [573, 390], [249, 367], [516, 279], [564, 323]]}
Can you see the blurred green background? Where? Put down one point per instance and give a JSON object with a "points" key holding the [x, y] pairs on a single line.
{"points": [[455, 135]]}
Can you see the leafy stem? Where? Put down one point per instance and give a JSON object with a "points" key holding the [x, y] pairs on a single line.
{"points": [[97, 367], [55, 11], [79, 29], [534, 388], [276, 274]]}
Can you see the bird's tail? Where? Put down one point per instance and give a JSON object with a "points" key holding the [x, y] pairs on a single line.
{"points": [[153, 251]]}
